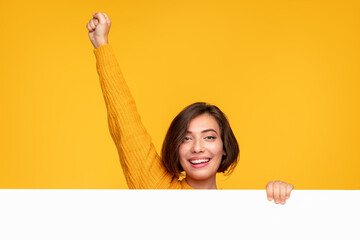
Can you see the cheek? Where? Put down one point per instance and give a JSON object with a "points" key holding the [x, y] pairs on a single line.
{"points": [[183, 150], [217, 149]]}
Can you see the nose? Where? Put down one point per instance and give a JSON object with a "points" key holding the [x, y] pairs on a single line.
{"points": [[197, 146]]}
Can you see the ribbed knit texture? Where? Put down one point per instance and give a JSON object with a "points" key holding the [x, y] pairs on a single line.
{"points": [[138, 157]]}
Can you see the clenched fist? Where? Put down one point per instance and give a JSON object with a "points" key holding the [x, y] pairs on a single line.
{"points": [[279, 191], [99, 27]]}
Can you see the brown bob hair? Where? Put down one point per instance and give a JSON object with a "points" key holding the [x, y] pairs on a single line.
{"points": [[175, 135]]}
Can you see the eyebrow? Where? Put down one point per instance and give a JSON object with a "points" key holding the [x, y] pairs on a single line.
{"points": [[206, 130]]}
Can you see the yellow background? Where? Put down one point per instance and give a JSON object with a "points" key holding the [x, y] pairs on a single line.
{"points": [[286, 73]]}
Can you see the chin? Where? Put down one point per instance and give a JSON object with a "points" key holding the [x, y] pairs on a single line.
{"points": [[200, 176]]}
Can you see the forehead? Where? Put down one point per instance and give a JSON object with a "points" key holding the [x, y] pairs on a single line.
{"points": [[202, 122]]}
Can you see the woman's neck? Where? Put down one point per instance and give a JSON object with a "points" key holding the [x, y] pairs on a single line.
{"points": [[203, 184]]}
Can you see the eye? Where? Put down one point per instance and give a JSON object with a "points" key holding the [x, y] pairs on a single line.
{"points": [[186, 139], [210, 137]]}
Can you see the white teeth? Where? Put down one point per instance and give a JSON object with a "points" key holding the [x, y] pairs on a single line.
{"points": [[199, 161]]}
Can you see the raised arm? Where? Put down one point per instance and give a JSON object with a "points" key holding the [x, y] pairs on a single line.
{"points": [[140, 162]]}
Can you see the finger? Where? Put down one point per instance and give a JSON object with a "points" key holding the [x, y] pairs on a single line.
{"points": [[89, 27], [92, 24], [277, 192], [100, 17], [289, 188], [283, 192], [270, 190], [94, 20]]}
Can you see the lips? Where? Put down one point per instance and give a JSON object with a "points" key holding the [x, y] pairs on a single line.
{"points": [[199, 162]]}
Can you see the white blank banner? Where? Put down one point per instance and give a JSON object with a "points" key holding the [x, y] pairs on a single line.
{"points": [[171, 214]]}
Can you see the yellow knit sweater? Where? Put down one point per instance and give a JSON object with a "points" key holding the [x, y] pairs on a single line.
{"points": [[138, 157]]}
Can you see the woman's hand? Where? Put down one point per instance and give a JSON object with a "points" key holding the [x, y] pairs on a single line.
{"points": [[279, 191], [99, 27]]}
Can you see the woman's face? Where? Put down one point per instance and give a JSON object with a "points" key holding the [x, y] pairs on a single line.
{"points": [[202, 148]]}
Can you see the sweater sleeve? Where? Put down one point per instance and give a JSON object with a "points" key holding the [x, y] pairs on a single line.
{"points": [[138, 157]]}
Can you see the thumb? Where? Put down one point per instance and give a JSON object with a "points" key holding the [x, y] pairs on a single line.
{"points": [[100, 16]]}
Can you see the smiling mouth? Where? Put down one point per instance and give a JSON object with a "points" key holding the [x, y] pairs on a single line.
{"points": [[199, 161]]}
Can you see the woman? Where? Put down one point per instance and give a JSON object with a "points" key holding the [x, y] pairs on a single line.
{"points": [[199, 141]]}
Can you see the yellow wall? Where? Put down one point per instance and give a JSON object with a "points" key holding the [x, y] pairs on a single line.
{"points": [[286, 73]]}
